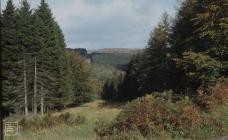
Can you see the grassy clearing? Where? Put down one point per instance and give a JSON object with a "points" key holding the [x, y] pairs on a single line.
{"points": [[93, 111]]}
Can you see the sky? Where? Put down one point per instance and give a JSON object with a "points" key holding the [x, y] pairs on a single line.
{"points": [[96, 24]]}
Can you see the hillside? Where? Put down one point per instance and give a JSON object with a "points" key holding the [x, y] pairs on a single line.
{"points": [[111, 58], [116, 50], [117, 57], [103, 72]]}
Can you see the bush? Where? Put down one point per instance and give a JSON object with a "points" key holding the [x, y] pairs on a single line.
{"points": [[131, 135], [151, 116], [50, 121], [218, 95]]}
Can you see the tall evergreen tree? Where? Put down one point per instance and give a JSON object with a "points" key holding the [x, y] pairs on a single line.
{"points": [[156, 63], [47, 58], [131, 82], [212, 22], [25, 37], [65, 89], [192, 37], [183, 37], [52, 60], [12, 64]]}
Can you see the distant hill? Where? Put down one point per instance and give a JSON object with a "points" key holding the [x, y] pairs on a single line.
{"points": [[117, 57], [119, 60], [81, 51], [116, 50]]}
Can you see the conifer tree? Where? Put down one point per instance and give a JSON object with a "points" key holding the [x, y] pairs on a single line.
{"points": [[131, 83], [24, 23], [212, 23], [12, 64], [156, 62], [47, 62]]}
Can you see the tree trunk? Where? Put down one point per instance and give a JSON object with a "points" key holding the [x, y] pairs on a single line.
{"points": [[42, 101], [35, 90], [25, 89]]}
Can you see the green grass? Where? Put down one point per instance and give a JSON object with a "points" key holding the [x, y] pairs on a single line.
{"points": [[93, 111]]}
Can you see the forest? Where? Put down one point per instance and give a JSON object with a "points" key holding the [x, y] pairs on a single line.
{"points": [[176, 88], [38, 73]]}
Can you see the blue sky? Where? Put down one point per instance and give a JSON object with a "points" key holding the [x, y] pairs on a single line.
{"points": [[94, 24]]}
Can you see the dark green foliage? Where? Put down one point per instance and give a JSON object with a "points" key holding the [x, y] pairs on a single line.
{"points": [[212, 25], [183, 37], [200, 70], [12, 81], [111, 58], [192, 33], [36, 67], [187, 56], [49, 59], [112, 88], [131, 83], [149, 71], [156, 63]]}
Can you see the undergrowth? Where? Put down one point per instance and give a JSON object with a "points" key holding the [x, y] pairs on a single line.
{"points": [[154, 116], [49, 121]]}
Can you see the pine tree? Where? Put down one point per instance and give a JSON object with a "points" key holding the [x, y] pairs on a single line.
{"points": [[47, 59], [36, 65], [156, 63], [183, 37], [212, 22], [131, 83], [65, 89], [12, 61], [24, 22]]}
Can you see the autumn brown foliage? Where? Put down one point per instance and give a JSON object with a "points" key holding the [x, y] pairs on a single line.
{"points": [[217, 95], [152, 116]]}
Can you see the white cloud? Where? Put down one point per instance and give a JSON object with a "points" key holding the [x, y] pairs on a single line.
{"points": [[108, 23], [88, 25]]}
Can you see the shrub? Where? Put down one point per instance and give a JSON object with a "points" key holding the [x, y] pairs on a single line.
{"points": [[49, 121], [131, 135], [218, 95], [151, 116]]}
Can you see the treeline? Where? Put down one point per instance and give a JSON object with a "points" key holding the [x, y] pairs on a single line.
{"points": [[186, 55], [38, 74]]}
